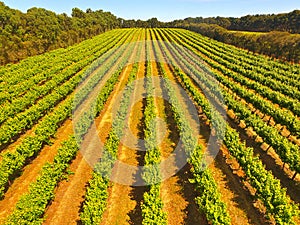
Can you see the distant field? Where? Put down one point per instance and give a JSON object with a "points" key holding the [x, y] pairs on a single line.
{"points": [[247, 32], [45, 175], [257, 33]]}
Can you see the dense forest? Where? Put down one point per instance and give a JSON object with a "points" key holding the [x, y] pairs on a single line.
{"points": [[39, 30], [286, 22], [277, 35], [276, 44]]}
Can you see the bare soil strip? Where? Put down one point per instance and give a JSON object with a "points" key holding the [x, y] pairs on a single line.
{"points": [[238, 201], [70, 193], [271, 161], [124, 200], [178, 194], [31, 172], [66, 207], [172, 193]]}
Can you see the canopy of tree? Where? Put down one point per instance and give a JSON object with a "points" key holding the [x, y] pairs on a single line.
{"points": [[40, 30], [281, 45], [286, 22]]}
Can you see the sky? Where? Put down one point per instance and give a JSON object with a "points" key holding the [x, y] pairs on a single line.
{"points": [[164, 10]]}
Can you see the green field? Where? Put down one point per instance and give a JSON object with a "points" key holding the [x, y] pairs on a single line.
{"points": [[45, 175]]}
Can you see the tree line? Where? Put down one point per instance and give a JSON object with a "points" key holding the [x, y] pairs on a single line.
{"points": [[275, 35], [39, 30], [276, 44], [286, 22]]}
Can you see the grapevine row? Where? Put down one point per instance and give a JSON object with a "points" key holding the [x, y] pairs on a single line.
{"points": [[26, 120], [152, 206], [96, 195], [280, 116], [19, 104], [290, 71], [287, 151], [11, 163], [284, 76], [209, 199], [16, 95], [273, 96], [31, 66], [30, 208], [268, 188]]}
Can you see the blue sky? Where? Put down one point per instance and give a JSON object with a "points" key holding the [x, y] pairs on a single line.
{"points": [[164, 10]]}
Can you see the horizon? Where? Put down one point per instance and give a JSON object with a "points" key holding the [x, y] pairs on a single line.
{"points": [[185, 8]]}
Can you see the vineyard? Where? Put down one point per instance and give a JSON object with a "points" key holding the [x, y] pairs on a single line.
{"points": [[150, 126]]}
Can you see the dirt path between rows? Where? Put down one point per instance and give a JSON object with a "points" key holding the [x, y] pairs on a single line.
{"points": [[31, 171], [69, 196], [237, 199], [124, 199], [178, 193], [70, 193]]}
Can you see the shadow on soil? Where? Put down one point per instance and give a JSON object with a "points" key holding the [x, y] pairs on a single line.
{"points": [[292, 186], [137, 192]]}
